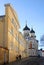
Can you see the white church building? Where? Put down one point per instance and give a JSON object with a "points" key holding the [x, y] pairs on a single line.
{"points": [[32, 43]]}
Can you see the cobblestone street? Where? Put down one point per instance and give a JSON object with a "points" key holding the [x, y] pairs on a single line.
{"points": [[28, 61]]}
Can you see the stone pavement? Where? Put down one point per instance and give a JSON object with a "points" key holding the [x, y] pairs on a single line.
{"points": [[29, 61]]}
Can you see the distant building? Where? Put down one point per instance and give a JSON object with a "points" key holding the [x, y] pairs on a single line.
{"points": [[39, 52], [43, 53], [32, 43]]}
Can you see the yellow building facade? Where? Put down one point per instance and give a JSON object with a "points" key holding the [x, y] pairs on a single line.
{"points": [[10, 44], [22, 45]]}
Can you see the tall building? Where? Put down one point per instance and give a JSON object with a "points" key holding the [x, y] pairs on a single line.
{"points": [[10, 38], [32, 43]]}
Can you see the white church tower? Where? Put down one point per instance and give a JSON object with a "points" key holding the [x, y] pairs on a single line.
{"points": [[26, 32], [32, 43]]}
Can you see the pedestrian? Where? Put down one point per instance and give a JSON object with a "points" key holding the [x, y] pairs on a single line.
{"points": [[20, 57], [17, 57]]}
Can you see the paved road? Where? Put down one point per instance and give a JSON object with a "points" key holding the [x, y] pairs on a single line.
{"points": [[29, 61]]}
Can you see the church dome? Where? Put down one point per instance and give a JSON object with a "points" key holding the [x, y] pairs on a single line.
{"points": [[26, 28], [32, 31]]}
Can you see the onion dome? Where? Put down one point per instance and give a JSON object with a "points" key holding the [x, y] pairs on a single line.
{"points": [[26, 28], [32, 31]]}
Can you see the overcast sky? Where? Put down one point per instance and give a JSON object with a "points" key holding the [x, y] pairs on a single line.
{"points": [[30, 10]]}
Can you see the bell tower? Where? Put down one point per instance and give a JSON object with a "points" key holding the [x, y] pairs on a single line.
{"points": [[32, 32], [26, 32]]}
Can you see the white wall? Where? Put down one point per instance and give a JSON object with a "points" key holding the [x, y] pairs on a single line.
{"points": [[42, 53]]}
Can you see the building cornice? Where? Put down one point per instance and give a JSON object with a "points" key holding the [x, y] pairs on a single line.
{"points": [[14, 13]]}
